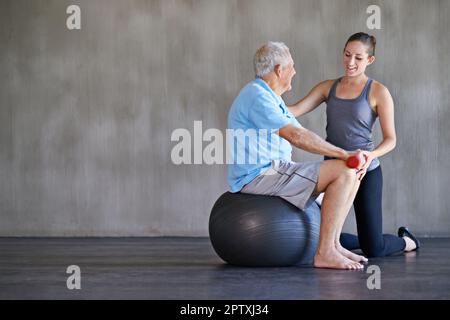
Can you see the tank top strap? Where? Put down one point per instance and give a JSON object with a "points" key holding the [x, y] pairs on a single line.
{"points": [[332, 92], [366, 89]]}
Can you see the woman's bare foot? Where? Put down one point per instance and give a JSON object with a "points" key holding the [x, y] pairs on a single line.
{"points": [[410, 244], [348, 254], [334, 260]]}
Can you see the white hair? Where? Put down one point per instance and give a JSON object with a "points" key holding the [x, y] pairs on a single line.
{"points": [[268, 56]]}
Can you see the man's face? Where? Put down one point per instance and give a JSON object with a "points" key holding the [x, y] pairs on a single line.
{"points": [[287, 73]]}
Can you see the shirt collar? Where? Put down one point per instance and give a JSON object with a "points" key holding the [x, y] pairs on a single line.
{"points": [[266, 86]]}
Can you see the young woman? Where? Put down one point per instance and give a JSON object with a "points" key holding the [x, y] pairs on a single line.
{"points": [[354, 102]]}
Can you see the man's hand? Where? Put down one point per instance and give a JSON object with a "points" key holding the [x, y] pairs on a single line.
{"points": [[359, 155]]}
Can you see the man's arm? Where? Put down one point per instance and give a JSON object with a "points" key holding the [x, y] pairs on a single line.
{"points": [[309, 141]]}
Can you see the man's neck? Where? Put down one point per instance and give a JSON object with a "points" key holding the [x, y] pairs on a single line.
{"points": [[273, 84]]}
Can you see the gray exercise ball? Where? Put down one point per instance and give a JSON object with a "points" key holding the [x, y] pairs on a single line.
{"points": [[263, 231]]}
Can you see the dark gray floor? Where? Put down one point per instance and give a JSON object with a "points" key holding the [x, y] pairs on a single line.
{"points": [[188, 268]]}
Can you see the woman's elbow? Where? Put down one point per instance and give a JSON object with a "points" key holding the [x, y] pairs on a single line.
{"points": [[393, 142]]}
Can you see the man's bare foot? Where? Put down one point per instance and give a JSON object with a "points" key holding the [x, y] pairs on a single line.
{"points": [[334, 260], [348, 254], [410, 244]]}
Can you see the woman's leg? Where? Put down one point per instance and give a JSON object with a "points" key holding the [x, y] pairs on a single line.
{"points": [[369, 221], [349, 241]]}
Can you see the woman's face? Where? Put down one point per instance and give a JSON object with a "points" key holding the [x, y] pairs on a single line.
{"points": [[356, 58]]}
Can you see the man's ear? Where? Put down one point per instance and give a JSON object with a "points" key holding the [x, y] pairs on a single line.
{"points": [[277, 70]]}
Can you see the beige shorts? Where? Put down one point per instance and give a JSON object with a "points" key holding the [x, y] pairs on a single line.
{"points": [[295, 182]]}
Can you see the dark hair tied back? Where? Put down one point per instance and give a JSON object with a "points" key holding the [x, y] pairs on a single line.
{"points": [[366, 39]]}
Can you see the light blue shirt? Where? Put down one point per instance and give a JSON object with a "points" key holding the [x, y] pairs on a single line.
{"points": [[254, 117]]}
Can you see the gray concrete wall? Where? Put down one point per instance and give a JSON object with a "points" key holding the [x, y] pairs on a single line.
{"points": [[86, 116]]}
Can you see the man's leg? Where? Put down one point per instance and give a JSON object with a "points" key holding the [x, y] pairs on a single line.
{"points": [[339, 184], [341, 249], [349, 238]]}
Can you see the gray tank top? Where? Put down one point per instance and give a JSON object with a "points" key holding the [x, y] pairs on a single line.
{"points": [[350, 121]]}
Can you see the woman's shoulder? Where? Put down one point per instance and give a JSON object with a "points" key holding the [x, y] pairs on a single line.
{"points": [[378, 89], [325, 87], [328, 83], [379, 95]]}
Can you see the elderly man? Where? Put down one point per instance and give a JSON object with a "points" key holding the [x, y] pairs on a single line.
{"points": [[259, 107]]}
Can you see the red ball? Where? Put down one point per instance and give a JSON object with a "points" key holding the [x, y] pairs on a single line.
{"points": [[355, 161]]}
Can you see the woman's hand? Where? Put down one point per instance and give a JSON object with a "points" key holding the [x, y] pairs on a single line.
{"points": [[365, 158], [361, 173], [368, 156]]}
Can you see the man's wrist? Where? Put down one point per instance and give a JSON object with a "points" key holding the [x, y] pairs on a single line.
{"points": [[342, 154]]}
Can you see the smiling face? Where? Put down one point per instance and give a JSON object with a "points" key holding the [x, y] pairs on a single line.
{"points": [[356, 58]]}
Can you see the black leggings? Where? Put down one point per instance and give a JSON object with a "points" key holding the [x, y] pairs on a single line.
{"points": [[369, 221]]}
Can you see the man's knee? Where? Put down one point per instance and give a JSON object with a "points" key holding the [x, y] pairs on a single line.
{"points": [[334, 171], [349, 175]]}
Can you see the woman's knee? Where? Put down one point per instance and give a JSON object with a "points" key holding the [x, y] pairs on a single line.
{"points": [[372, 250]]}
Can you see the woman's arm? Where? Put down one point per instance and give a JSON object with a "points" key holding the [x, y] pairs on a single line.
{"points": [[312, 100], [385, 110]]}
